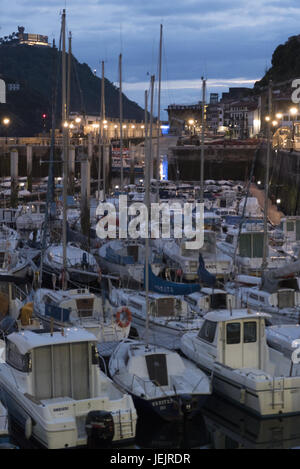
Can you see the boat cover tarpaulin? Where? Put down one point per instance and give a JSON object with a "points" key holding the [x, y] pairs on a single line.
{"points": [[206, 277], [159, 285], [116, 258]]}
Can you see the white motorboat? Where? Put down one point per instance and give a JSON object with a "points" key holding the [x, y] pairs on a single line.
{"points": [[233, 346], [246, 248], [187, 260], [284, 303], [209, 299], [159, 380], [169, 316], [81, 308], [56, 394]]}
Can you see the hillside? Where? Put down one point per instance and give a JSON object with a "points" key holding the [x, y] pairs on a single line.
{"points": [[35, 69], [285, 63]]}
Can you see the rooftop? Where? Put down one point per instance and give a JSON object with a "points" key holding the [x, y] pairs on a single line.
{"points": [[226, 315], [28, 340]]}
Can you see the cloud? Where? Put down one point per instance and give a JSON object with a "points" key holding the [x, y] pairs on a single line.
{"points": [[219, 38]]}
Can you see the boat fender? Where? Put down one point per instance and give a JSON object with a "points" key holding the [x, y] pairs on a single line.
{"points": [[28, 428], [123, 317]]}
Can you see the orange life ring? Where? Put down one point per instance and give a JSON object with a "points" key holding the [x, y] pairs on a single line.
{"points": [[123, 317]]}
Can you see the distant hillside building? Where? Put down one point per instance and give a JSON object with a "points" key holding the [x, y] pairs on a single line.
{"points": [[31, 39], [21, 38]]}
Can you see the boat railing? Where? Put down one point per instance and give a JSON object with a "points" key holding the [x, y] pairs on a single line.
{"points": [[19, 294], [75, 262], [155, 386]]}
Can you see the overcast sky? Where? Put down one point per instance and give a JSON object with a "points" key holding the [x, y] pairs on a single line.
{"points": [[229, 42]]}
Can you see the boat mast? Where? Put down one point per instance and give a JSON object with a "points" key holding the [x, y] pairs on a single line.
{"points": [[202, 142], [147, 197], [158, 114], [121, 121], [265, 247], [65, 149], [102, 120], [101, 134]]}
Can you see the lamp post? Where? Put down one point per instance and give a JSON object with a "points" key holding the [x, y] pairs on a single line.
{"points": [[293, 113], [6, 122]]}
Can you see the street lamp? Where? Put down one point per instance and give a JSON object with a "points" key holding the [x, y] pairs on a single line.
{"points": [[293, 113], [6, 122]]}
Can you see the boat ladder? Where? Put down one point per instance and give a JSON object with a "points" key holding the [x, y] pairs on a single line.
{"points": [[278, 393]]}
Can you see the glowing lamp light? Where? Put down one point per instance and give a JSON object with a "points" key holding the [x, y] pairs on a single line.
{"points": [[133, 126], [278, 201], [142, 126], [77, 120], [259, 183], [279, 115], [124, 126], [105, 122], [274, 123], [115, 126], [6, 121], [267, 118], [66, 124], [191, 121], [71, 126], [293, 111]]}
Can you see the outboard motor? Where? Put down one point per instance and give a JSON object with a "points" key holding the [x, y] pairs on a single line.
{"points": [[8, 325], [100, 429], [186, 404]]}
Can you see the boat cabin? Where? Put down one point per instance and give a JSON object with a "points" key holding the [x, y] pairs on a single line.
{"points": [[159, 305], [56, 365], [238, 338]]}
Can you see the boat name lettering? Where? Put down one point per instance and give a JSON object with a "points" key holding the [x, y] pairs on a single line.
{"points": [[60, 409]]}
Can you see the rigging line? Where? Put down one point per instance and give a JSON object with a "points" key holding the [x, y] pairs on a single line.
{"points": [[82, 102], [170, 95]]}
